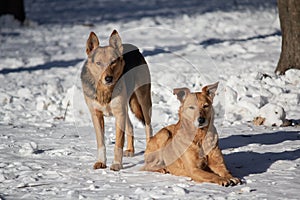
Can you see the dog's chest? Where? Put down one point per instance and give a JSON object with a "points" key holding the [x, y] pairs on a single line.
{"points": [[105, 109], [202, 162], [201, 159]]}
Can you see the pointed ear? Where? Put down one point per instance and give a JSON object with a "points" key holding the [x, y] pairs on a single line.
{"points": [[92, 43], [116, 42], [181, 93], [210, 90]]}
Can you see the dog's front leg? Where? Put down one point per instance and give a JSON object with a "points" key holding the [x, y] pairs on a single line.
{"points": [[120, 134], [192, 163], [98, 121], [217, 165]]}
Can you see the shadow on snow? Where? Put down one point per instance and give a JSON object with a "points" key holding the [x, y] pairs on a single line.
{"points": [[213, 41], [247, 162], [208, 42], [101, 11], [46, 66]]}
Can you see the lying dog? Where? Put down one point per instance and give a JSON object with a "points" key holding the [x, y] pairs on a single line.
{"points": [[112, 77], [190, 147]]}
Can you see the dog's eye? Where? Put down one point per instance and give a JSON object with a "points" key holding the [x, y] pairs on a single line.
{"points": [[98, 63], [205, 105], [192, 107], [113, 62]]}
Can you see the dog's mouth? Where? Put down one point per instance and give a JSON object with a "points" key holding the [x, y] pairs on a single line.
{"points": [[108, 84], [201, 122]]}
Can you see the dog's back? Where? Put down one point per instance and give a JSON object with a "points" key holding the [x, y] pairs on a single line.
{"points": [[136, 71], [132, 57]]}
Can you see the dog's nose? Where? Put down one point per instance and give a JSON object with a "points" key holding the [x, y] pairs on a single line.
{"points": [[108, 79], [201, 120]]}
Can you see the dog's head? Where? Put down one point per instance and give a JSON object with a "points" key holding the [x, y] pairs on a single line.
{"points": [[106, 63], [196, 107]]}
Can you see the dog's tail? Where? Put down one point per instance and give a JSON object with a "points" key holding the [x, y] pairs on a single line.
{"points": [[136, 108]]}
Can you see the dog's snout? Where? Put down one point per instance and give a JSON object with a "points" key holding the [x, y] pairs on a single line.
{"points": [[201, 120], [108, 79]]}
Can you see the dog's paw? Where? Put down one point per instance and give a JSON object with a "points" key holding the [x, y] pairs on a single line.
{"points": [[129, 153], [163, 171], [235, 181], [229, 181], [116, 167], [99, 165]]}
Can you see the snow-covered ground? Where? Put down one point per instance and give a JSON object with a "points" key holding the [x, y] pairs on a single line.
{"points": [[47, 142]]}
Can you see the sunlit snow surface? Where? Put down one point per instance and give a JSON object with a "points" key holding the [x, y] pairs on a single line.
{"points": [[186, 44]]}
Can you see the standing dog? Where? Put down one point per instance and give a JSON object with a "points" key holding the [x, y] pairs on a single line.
{"points": [[190, 147], [112, 77]]}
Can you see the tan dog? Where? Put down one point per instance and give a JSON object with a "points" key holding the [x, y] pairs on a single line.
{"points": [[112, 77], [190, 147]]}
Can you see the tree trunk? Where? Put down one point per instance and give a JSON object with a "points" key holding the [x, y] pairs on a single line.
{"points": [[13, 7], [289, 16]]}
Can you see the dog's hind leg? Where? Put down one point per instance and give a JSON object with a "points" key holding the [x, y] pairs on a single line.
{"points": [[137, 111], [129, 152], [143, 95]]}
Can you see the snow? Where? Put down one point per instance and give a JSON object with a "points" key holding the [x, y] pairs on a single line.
{"points": [[273, 114], [47, 142]]}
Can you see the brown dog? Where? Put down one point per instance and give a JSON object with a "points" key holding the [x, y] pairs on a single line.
{"points": [[190, 147], [112, 77]]}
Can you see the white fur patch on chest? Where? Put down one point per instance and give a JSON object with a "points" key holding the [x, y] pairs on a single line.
{"points": [[106, 109]]}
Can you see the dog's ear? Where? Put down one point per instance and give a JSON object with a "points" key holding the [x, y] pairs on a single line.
{"points": [[92, 43], [210, 90], [116, 42], [181, 93]]}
